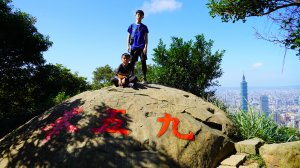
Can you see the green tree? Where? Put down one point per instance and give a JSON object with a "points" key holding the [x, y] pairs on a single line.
{"points": [[102, 76], [138, 72], [51, 81], [190, 66], [21, 48], [61, 96], [286, 13]]}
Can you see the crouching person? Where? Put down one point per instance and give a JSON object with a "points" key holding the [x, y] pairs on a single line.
{"points": [[124, 73]]}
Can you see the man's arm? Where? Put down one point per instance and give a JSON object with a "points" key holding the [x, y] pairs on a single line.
{"points": [[128, 42], [146, 43]]}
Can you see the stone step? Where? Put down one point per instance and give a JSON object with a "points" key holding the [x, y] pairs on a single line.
{"points": [[249, 146], [222, 166], [234, 160]]}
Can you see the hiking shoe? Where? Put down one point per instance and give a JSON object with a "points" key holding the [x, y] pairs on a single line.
{"points": [[131, 84], [145, 82]]}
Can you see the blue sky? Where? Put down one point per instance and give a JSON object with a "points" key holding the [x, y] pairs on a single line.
{"points": [[92, 33]]}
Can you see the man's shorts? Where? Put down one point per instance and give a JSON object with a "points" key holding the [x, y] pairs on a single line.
{"points": [[136, 53]]}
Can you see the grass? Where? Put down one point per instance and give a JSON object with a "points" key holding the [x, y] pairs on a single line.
{"points": [[255, 158], [255, 124]]}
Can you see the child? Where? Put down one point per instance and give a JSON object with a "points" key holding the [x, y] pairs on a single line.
{"points": [[137, 41], [124, 73]]}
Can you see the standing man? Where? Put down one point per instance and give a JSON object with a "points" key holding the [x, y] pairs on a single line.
{"points": [[137, 42]]}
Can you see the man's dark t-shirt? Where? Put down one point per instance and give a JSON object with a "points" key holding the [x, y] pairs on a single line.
{"points": [[125, 71]]}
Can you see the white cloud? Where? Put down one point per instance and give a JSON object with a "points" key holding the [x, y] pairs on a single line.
{"points": [[156, 6], [257, 65]]}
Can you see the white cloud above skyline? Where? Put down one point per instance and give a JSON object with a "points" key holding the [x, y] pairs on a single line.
{"points": [[157, 6], [257, 65]]}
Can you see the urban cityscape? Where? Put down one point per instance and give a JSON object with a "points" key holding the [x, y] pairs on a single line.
{"points": [[282, 104]]}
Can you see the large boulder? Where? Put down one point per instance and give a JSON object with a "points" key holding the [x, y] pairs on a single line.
{"points": [[151, 126], [281, 155]]}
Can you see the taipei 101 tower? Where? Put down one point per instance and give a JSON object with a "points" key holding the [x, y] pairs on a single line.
{"points": [[244, 95]]}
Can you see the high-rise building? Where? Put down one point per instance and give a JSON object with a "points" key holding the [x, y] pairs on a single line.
{"points": [[297, 100], [276, 117], [244, 95], [264, 104], [295, 122]]}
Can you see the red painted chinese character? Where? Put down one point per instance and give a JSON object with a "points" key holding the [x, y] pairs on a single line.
{"points": [[112, 124], [166, 122], [60, 123]]}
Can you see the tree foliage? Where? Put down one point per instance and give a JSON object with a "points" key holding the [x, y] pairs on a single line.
{"points": [[27, 86], [21, 47], [138, 72], [190, 66], [286, 13], [53, 80], [102, 76]]}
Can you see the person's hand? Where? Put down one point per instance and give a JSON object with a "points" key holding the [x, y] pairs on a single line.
{"points": [[123, 81], [120, 82], [128, 49], [145, 51]]}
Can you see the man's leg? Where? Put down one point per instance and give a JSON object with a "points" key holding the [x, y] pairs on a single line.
{"points": [[144, 65], [133, 79], [126, 82], [115, 81], [132, 82], [133, 58]]}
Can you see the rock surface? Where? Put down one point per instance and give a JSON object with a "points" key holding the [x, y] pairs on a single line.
{"points": [[143, 138], [249, 146], [234, 160], [281, 155]]}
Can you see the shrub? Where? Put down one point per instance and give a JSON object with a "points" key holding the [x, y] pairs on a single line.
{"points": [[255, 124], [256, 158], [60, 97], [191, 65]]}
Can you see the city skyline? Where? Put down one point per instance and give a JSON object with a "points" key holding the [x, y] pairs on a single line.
{"points": [[277, 97], [92, 34], [282, 104]]}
